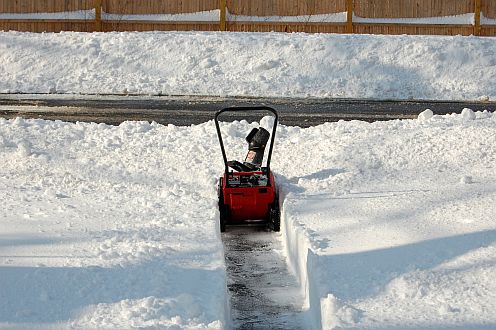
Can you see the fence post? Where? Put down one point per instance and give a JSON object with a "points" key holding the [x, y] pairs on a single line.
{"points": [[98, 15], [222, 7], [349, 16], [477, 26]]}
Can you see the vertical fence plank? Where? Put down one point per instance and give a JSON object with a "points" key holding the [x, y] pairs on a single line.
{"points": [[477, 25], [349, 16], [222, 7], [488, 8], [98, 15]]}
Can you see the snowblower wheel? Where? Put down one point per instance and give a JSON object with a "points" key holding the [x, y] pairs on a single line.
{"points": [[223, 208], [224, 212], [275, 215]]}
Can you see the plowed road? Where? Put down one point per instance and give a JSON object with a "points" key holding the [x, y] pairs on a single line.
{"points": [[187, 110]]}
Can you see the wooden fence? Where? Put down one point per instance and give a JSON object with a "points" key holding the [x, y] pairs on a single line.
{"points": [[47, 6], [337, 16]]}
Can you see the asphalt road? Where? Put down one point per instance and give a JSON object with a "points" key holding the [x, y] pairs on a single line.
{"points": [[187, 110]]}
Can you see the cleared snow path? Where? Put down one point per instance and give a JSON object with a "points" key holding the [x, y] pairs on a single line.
{"points": [[264, 295]]}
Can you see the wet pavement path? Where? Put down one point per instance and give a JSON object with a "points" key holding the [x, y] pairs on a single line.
{"points": [[264, 295]]}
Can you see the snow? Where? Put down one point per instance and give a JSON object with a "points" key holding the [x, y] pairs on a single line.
{"points": [[319, 18], [250, 64], [65, 15], [425, 115], [100, 228], [204, 16], [468, 114], [387, 225], [391, 225], [468, 19], [214, 16], [487, 21]]}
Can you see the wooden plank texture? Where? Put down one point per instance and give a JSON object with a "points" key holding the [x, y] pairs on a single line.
{"points": [[412, 8], [349, 16], [363, 8], [477, 18], [98, 15], [394, 29], [143, 7], [488, 30], [285, 7], [48, 6], [287, 27], [47, 26], [223, 12], [109, 26], [488, 8]]}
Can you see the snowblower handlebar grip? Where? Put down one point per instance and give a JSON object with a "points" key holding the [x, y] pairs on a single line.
{"points": [[246, 109]]}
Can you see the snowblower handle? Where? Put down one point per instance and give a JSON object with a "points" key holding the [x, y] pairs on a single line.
{"points": [[246, 109]]}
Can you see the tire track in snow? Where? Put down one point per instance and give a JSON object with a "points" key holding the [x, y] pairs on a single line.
{"points": [[264, 295]]}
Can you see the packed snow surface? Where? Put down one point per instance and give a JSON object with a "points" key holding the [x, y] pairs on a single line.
{"points": [[393, 224], [250, 64], [111, 227], [387, 224]]}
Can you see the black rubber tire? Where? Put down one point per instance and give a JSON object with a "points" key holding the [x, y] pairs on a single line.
{"points": [[223, 208], [223, 216], [275, 215]]}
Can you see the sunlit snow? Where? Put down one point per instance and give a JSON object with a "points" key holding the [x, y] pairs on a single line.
{"points": [[386, 225]]}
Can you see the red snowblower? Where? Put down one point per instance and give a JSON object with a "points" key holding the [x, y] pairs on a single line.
{"points": [[247, 191]]}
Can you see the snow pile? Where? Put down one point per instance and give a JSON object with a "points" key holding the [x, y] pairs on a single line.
{"points": [[425, 115], [250, 64], [100, 227], [487, 21], [387, 225], [65, 15], [319, 18], [204, 16], [467, 19], [392, 224]]}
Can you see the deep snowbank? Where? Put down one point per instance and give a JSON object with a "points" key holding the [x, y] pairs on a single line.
{"points": [[388, 225], [108, 227], [392, 224], [249, 64]]}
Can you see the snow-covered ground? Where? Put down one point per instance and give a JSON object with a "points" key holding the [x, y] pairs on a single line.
{"points": [[107, 226], [250, 64], [392, 224], [387, 225]]}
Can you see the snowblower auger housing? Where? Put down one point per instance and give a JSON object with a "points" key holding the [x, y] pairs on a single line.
{"points": [[247, 191]]}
